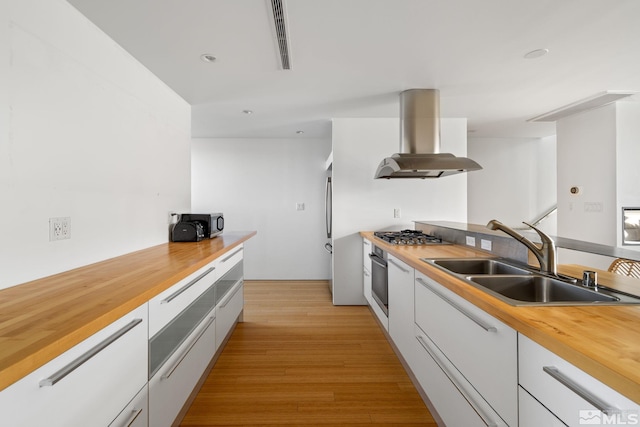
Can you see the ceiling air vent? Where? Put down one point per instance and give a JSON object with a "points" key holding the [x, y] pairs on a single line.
{"points": [[280, 26]]}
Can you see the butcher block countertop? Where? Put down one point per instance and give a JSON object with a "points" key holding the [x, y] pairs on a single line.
{"points": [[42, 319], [603, 341]]}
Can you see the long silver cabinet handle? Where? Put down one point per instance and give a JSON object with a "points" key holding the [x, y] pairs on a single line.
{"points": [[231, 256], [474, 319], [170, 371], [404, 270], [485, 417], [601, 405], [75, 364], [185, 287], [235, 291], [135, 413]]}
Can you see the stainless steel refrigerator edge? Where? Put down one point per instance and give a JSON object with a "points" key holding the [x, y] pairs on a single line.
{"points": [[327, 216]]}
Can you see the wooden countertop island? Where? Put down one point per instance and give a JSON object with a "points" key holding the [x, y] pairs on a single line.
{"points": [[42, 319], [603, 341]]}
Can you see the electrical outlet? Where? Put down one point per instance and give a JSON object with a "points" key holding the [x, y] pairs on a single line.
{"points": [[299, 206], [396, 213], [59, 228], [471, 241], [485, 244]]}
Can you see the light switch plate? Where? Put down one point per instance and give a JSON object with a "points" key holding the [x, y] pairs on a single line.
{"points": [[485, 244], [471, 241]]}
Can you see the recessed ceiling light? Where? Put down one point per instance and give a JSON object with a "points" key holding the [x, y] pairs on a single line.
{"points": [[536, 53], [300, 132], [207, 57], [247, 111]]}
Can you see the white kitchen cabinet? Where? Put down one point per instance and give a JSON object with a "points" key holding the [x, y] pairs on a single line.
{"points": [[367, 276], [88, 385], [181, 351], [455, 400], [229, 301], [228, 261], [136, 414], [178, 355], [366, 270], [172, 384], [168, 304], [401, 307], [531, 413], [572, 395], [479, 346]]}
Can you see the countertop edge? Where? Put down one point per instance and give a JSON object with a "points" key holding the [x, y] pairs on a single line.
{"points": [[17, 365], [535, 323]]}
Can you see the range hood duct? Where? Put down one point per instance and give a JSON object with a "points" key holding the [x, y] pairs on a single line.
{"points": [[420, 155]]}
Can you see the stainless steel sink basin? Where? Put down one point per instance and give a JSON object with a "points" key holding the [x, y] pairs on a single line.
{"points": [[539, 289], [479, 266], [517, 285]]}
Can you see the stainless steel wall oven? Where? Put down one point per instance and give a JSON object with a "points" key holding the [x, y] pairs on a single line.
{"points": [[379, 278]]}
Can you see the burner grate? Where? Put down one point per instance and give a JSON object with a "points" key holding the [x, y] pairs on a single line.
{"points": [[407, 237]]}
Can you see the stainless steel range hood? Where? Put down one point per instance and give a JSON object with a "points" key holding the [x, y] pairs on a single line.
{"points": [[420, 155]]}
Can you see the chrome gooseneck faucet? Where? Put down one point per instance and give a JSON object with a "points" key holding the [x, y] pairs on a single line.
{"points": [[546, 254]]}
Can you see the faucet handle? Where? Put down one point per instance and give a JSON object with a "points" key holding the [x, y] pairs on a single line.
{"points": [[544, 236]]}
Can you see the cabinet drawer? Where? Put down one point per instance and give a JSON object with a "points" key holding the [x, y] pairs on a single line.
{"points": [[401, 307], [168, 304], [366, 250], [366, 275], [456, 402], [228, 260], [366, 270], [169, 339], [88, 385], [533, 414], [479, 345], [227, 311], [569, 392], [136, 414], [171, 386]]}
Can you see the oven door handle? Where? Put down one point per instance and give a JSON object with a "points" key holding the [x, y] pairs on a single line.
{"points": [[376, 259]]}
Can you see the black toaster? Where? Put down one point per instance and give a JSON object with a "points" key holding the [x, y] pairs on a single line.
{"points": [[187, 231]]}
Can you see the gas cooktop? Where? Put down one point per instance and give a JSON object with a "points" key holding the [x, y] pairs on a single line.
{"points": [[408, 237]]}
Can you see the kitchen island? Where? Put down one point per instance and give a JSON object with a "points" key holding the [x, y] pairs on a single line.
{"points": [[42, 319], [603, 341]]}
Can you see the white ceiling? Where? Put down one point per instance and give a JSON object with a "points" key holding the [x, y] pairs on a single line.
{"points": [[351, 58]]}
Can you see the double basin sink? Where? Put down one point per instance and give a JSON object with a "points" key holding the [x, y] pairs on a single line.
{"points": [[518, 285]]}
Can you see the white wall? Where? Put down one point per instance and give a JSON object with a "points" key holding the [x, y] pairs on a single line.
{"points": [[87, 133], [517, 182], [587, 150], [602, 144], [363, 203], [627, 158], [257, 183]]}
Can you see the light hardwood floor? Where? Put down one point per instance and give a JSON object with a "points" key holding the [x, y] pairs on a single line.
{"points": [[299, 360]]}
